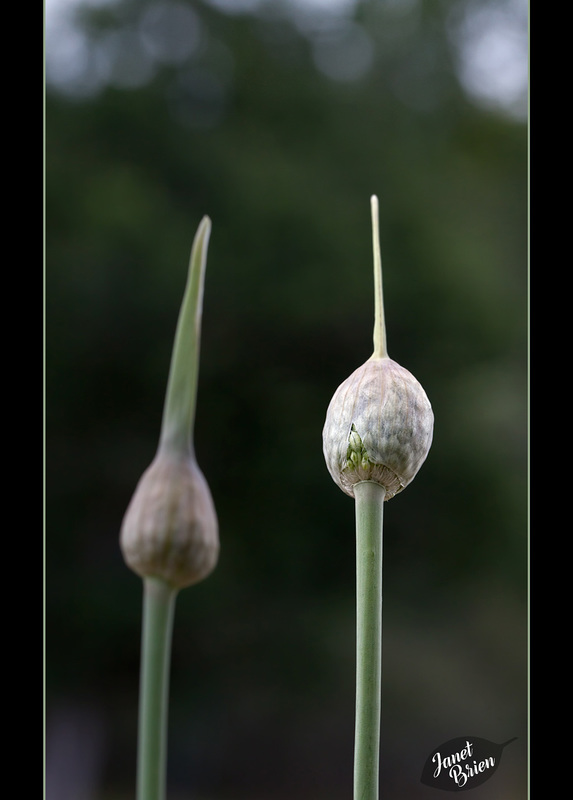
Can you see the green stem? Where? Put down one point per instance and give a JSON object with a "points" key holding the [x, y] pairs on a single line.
{"points": [[380, 347], [369, 499], [181, 395], [158, 610]]}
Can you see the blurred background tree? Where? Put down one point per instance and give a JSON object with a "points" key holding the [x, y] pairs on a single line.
{"points": [[279, 120]]}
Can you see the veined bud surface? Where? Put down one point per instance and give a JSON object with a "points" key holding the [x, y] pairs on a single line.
{"points": [[379, 427], [379, 424], [170, 528]]}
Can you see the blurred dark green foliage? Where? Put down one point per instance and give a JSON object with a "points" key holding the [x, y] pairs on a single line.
{"points": [[284, 160]]}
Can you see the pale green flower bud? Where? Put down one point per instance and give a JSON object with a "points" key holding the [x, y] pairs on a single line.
{"points": [[170, 528], [379, 424]]}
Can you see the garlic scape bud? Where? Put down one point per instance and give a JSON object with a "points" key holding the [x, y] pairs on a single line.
{"points": [[170, 528], [379, 423]]}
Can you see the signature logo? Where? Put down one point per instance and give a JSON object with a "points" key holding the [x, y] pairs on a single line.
{"points": [[462, 763]]}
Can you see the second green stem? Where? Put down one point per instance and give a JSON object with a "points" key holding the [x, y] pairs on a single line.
{"points": [[158, 611], [369, 499]]}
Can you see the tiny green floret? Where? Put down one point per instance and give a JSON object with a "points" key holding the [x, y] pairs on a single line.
{"points": [[357, 456]]}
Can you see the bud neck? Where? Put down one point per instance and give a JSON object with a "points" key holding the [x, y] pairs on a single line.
{"points": [[380, 350]]}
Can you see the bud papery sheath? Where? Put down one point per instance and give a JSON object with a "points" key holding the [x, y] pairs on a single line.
{"points": [[379, 427], [170, 528]]}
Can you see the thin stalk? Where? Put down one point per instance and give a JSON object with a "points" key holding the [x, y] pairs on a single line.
{"points": [[380, 348], [158, 611], [369, 499]]}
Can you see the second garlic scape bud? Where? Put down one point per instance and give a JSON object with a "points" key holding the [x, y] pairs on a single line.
{"points": [[170, 528], [379, 424]]}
